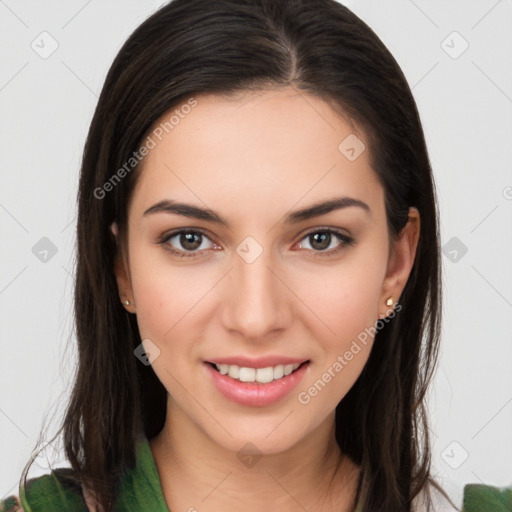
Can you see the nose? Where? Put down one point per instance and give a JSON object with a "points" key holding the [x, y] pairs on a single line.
{"points": [[255, 298]]}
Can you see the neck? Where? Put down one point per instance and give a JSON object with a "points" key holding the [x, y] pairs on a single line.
{"points": [[198, 474]]}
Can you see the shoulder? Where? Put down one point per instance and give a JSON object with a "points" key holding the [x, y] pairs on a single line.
{"points": [[479, 497], [53, 491], [476, 498], [10, 504]]}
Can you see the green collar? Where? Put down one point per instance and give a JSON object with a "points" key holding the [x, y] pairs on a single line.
{"points": [[140, 489], [140, 486]]}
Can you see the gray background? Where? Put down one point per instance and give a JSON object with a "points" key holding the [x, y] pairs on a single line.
{"points": [[465, 100]]}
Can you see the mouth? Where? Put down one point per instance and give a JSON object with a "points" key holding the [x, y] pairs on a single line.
{"points": [[257, 375], [260, 385]]}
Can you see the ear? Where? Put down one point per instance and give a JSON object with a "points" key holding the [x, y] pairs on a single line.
{"points": [[121, 270], [401, 260]]}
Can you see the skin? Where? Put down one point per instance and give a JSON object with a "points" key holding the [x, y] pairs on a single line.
{"points": [[253, 159]]}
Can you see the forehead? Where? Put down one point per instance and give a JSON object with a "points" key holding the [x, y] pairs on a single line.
{"points": [[267, 147]]}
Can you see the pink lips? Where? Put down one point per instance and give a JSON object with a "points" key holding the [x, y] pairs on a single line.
{"points": [[259, 362], [255, 394]]}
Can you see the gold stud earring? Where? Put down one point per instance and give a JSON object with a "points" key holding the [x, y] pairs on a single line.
{"points": [[389, 302]]}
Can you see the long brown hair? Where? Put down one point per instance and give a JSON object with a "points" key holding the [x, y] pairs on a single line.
{"points": [[189, 47]]}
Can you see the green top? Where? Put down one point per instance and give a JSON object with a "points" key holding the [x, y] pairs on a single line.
{"points": [[141, 490]]}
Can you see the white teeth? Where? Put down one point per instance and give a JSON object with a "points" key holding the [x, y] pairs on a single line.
{"points": [[247, 374], [234, 371], [278, 371], [262, 375], [265, 374], [288, 369]]}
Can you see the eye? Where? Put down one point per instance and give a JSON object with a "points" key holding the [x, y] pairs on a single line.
{"points": [[190, 243], [321, 241], [186, 243]]}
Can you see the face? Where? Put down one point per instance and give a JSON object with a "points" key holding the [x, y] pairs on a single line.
{"points": [[257, 282]]}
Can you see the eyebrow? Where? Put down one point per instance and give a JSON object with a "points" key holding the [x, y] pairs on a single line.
{"points": [[317, 209]]}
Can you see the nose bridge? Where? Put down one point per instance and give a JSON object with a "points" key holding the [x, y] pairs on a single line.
{"points": [[256, 302]]}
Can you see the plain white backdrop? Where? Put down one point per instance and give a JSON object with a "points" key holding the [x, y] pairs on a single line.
{"points": [[457, 57]]}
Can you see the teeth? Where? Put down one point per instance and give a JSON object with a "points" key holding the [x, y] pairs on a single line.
{"points": [[279, 371], [262, 375], [247, 374], [232, 371]]}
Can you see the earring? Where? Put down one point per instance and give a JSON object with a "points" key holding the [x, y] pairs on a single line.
{"points": [[389, 302], [126, 302]]}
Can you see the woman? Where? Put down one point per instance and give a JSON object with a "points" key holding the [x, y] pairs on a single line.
{"points": [[258, 295]]}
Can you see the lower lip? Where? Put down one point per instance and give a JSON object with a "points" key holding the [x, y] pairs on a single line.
{"points": [[256, 394]]}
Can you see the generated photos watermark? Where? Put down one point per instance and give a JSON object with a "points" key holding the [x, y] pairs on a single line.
{"points": [[305, 397], [150, 143]]}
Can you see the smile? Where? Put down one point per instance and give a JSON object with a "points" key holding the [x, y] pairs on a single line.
{"points": [[261, 375], [256, 387]]}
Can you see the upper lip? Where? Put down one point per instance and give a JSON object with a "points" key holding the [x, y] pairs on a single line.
{"points": [[257, 362]]}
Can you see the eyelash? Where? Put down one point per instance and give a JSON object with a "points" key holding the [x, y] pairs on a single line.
{"points": [[344, 239]]}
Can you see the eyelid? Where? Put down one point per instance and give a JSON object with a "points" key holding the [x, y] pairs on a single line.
{"points": [[319, 229]]}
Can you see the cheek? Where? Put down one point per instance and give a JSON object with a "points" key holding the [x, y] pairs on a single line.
{"points": [[344, 300], [165, 295]]}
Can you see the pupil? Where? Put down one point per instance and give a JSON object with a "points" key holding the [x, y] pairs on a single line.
{"points": [[324, 237], [187, 242]]}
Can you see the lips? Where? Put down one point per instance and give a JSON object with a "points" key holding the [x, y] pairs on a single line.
{"points": [[253, 393], [262, 370], [260, 362]]}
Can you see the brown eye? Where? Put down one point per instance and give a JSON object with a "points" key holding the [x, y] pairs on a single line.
{"points": [[320, 240], [186, 243], [324, 241], [190, 241]]}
